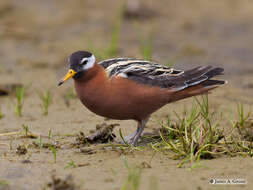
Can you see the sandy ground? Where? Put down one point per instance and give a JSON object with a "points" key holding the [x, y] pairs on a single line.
{"points": [[37, 36]]}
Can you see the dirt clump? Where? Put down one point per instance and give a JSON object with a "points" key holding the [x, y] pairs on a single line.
{"points": [[103, 134], [21, 150], [62, 184], [8, 89], [246, 130]]}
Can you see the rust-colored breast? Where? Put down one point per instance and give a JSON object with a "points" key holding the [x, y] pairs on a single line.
{"points": [[118, 98]]}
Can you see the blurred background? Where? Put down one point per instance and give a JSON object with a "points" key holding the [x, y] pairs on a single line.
{"points": [[36, 37], [40, 34]]}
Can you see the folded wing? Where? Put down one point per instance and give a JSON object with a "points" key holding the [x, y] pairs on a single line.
{"points": [[153, 74]]}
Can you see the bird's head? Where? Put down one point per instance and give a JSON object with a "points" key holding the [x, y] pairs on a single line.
{"points": [[79, 62]]}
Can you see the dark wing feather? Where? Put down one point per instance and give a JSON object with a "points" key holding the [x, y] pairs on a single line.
{"points": [[179, 82], [154, 74]]}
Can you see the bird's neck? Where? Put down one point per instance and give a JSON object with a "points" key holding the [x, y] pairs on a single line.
{"points": [[93, 73], [91, 85]]}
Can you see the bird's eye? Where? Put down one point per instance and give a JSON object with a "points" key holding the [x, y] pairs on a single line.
{"points": [[84, 62]]}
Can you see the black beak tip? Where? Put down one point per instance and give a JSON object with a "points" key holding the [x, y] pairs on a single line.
{"points": [[60, 83]]}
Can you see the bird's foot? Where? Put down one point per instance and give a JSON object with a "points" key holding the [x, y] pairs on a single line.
{"points": [[128, 139]]}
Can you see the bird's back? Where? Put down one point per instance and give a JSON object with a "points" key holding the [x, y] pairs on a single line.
{"points": [[154, 74]]}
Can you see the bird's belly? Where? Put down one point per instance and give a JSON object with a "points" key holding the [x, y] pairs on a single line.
{"points": [[118, 100], [113, 109], [107, 106], [122, 110], [123, 106]]}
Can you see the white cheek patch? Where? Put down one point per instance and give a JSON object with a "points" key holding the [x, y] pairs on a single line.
{"points": [[91, 61]]}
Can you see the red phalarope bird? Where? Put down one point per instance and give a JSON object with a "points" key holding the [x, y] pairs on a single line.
{"points": [[127, 88]]}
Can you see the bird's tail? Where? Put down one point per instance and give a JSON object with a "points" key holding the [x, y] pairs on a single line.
{"points": [[198, 82]]}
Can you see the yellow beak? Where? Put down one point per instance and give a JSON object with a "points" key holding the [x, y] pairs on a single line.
{"points": [[69, 75]]}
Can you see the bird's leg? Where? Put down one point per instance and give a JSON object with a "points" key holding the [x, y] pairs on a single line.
{"points": [[129, 138], [139, 131]]}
